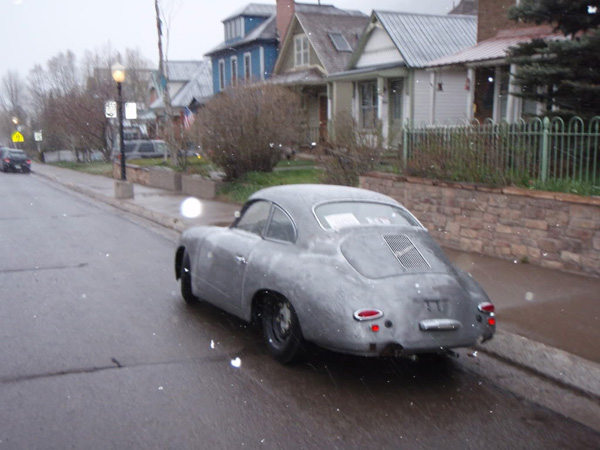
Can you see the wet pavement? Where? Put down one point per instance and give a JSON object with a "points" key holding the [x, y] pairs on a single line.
{"points": [[548, 321]]}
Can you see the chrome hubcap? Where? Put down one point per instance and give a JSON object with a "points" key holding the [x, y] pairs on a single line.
{"points": [[284, 319]]}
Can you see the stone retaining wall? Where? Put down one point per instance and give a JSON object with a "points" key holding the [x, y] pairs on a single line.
{"points": [[552, 230], [164, 178]]}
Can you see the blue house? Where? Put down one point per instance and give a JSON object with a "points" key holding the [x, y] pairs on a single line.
{"points": [[249, 51]]}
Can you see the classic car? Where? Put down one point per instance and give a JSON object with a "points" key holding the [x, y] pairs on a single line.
{"points": [[347, 269]]}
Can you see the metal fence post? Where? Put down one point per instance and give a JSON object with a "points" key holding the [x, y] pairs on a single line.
{"points": [[545, 149]]}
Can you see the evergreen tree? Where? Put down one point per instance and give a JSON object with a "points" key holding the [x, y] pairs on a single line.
{"points": [[562, 74]]}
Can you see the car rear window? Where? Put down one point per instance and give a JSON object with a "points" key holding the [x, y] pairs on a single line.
{"points": [[17, 153], [336, 215]]}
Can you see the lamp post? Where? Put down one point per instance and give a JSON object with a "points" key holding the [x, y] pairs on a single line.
{"points": [[118, 74]]}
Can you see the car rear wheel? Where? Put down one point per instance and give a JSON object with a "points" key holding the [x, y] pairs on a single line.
{"points": [[282, 330], [186, 280]]}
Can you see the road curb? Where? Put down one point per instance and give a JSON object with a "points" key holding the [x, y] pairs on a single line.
{"points": [[570, 370], [555, 364]]}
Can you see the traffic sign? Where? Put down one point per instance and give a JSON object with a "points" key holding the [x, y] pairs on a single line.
{"points": [[17, 137], [110, 110], [37, 135]]}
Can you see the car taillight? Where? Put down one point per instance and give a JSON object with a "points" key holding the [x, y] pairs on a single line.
{"points": [[6, 160], [367, 314], [28, 161], [486, 307]]}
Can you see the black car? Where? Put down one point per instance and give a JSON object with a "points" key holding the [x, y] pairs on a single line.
{"points": [[14, 160]]}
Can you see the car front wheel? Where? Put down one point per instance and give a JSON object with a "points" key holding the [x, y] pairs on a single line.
{"points": [[282, 330]]}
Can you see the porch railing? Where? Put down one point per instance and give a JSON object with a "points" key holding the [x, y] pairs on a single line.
{"points": [[539, 149]]}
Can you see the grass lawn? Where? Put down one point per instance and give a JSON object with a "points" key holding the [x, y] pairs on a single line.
{"points": [[95, 167], [239, 191]]}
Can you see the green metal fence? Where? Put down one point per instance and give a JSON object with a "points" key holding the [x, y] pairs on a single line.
{"points": [[539, 149]]}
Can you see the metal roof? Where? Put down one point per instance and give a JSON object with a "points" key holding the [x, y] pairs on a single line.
{"points": [[181, 70], [253, 10], [199, 88], [264, 32], [421, 38], [495, 48]]}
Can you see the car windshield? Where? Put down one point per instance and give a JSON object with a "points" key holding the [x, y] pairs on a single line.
{"points": [[336, 215]]}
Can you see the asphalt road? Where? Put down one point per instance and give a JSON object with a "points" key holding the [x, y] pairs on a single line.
{"points": [[98, 351]]}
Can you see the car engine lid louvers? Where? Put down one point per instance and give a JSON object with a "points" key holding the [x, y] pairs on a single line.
{"points": [[405, 252]]}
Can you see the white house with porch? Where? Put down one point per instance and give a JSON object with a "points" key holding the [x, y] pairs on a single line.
{"points": [[387, 82]]}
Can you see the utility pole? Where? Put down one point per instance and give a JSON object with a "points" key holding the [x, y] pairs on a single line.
{"points": [[168, 124]]}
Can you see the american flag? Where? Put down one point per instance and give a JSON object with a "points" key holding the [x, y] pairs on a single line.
{"points": [[188, 118]]}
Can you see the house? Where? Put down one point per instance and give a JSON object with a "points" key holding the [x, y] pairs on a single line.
{"points": [[249, 50], [189, 84], [487, 74], [318, 40], [386, 83]]}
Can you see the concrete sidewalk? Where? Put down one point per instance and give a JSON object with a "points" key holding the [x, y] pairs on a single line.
{"points": [[548, 321]]}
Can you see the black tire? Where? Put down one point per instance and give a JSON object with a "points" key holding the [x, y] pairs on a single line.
{"points": [[281, 329], [186, 280]]}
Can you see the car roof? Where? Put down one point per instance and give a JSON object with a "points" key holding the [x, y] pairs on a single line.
{"points": [[296, 197]]}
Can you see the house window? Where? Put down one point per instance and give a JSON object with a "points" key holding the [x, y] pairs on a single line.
{"points": [[368, 104], [247, 66], [234, 70], [221, 75], [301, 50]]}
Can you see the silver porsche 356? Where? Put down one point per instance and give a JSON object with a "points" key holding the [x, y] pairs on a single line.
{"points": [[347, 269]]}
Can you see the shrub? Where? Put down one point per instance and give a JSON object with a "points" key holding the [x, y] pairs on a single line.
{"points": [[243, 128], [352, 151]]}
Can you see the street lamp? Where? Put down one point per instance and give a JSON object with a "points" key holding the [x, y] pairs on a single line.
{"points": [[118, 74]]}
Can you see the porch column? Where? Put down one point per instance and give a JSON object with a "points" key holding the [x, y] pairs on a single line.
{"points": [[470, 84], [497, 108], [432, 92], [382, 109], [513, 105]]}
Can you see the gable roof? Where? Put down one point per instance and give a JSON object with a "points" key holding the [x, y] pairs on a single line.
{"points": [[181, 70], [421, 38], [199, 87], [318, 27], [267, 31]]}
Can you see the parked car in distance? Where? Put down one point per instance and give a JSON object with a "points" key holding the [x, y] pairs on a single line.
{"points": [[348, 269], [142, 148], [14, 160]]}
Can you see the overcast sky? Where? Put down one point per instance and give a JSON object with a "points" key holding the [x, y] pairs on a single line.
{"points": [[32, 31]]}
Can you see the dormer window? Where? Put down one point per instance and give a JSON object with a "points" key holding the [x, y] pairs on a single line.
{"points": [[301, 51], [234, 29], [339, 42]]}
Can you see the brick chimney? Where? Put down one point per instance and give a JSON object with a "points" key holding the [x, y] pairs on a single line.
{"points": [[285, 13]]}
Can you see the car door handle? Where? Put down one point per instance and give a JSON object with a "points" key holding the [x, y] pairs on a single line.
{"points": [[241, 260]]}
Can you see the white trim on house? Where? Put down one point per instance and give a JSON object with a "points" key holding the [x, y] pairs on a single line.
{"points": [[262, 62], [221, 70]]}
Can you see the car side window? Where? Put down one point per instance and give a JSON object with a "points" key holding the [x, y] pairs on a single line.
{"points": [[255, 217], [146, 147], [281, 226]]}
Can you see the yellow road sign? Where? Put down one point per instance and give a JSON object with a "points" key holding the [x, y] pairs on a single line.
{"points": [[17, 137]]}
